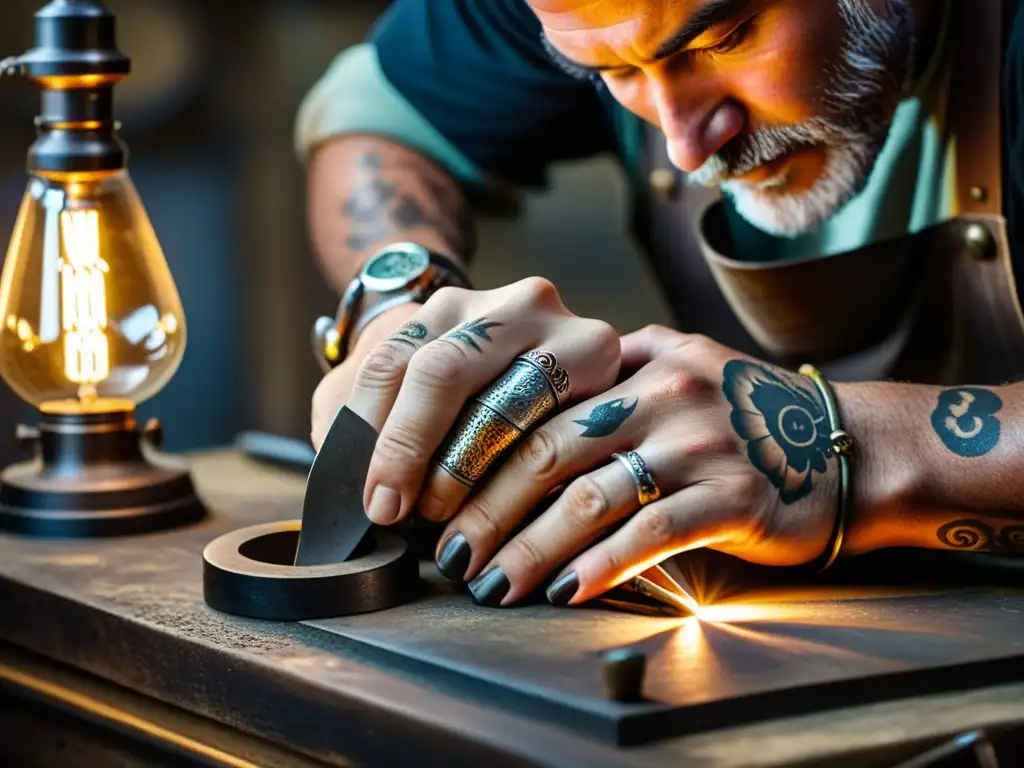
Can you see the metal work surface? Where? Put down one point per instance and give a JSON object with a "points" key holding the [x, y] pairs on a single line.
{"points": [[457, 684]]}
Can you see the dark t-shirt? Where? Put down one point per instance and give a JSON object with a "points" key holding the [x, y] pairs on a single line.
{"points": [[478, 72]]}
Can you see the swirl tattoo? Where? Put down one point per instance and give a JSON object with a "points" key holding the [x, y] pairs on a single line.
{"points": [[978, 536], [784, 426], [409, 334]]}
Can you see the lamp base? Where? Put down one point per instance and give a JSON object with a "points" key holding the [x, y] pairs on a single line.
{"points": [[96, 475]]}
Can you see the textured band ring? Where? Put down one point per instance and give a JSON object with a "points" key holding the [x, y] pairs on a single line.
{"points": [[647, 490], [490, 425]]}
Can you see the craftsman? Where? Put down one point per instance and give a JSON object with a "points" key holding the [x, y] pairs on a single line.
{"points": [[835, 183]]}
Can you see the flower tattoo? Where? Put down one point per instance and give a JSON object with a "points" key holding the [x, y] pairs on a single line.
{"points": [[785, 427]]}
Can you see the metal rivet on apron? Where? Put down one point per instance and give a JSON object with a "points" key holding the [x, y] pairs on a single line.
{"points": [[978, 194], [664, 184], [978, 241]]}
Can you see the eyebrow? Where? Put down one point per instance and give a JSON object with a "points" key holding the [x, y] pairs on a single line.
{"points": [[707, 16]]}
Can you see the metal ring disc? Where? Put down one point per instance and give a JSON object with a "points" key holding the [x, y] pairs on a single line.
{"points": [[249, 572]]}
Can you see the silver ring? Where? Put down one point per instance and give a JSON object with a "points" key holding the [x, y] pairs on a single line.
{"points": [[647, 491], [499, 416]]}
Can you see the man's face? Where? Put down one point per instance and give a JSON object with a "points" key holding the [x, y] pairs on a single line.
{"points": [[783, 103]]}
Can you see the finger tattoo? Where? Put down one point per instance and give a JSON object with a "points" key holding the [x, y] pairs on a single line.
{"points": [[409, 334], [473, 332], [606, 418]]}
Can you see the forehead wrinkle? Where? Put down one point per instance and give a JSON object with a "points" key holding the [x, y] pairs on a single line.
{"points": [[634, 36], [596, 14]]}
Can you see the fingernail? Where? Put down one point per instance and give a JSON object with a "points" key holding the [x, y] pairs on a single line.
{"points": [[454, 558], [385, 504], [561, 590], [432, 508], [490, 587]]}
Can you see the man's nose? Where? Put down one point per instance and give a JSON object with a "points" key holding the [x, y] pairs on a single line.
{"points": [[696, 126]]}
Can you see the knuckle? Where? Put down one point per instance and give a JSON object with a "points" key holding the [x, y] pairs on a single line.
{"points": [[610, 562], [539, 454], [682, 384], [587, 505], [399, 443], [711, 444], [445, 295], [528, 553], [383, 366], [437, 365], [484, 520], [538, 292], [657, 527]]}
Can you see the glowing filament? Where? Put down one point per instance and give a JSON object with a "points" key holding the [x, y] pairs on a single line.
{"points": [[83, 298]]}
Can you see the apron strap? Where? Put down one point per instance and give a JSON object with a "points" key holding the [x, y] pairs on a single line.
{"points": [[975, 109]]}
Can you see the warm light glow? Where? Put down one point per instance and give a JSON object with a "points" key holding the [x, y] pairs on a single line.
{"points": [[91, 316], [83, 298]]}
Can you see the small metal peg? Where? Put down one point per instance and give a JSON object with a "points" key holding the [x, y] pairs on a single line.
{"points": [[622, 671], [153, 432], [978, 241], [25, 435], [978, 194]]}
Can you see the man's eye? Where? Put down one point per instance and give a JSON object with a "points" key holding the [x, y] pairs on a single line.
{"points": [[734, 39]]}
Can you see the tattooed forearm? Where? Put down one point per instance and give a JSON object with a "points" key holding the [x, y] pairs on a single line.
{"points": [[397, 197], [980, 536], [365, 192], [783, 424], [606, 418], [965, 420]]}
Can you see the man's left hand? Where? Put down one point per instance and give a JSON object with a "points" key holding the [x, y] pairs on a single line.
{"points": [[739, 452]]}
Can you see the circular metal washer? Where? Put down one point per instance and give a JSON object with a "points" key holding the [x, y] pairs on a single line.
{"points": [[248, 572]]}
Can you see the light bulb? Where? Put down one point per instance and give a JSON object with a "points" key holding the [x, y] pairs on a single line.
{"points": [[90, 318]]}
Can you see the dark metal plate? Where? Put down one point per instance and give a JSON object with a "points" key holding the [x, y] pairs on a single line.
{"points": [[759, 654]]}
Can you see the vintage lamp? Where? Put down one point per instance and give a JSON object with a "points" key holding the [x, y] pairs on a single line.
{"points": [[90, 319]]}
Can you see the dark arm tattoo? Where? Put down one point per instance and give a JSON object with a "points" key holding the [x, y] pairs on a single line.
{"points": [[394, 197], [965, 420], [606, 418], [979, 536], [783, 423]]}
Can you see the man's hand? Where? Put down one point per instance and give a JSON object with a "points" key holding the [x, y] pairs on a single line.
{"points": [[335, 388], [740, 451], [413, 386]]}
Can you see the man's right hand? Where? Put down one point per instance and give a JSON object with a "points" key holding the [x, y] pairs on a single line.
{"points": [[334, 389]]}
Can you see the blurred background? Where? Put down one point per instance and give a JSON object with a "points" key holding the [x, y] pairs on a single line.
{"points": [[208, 114]]}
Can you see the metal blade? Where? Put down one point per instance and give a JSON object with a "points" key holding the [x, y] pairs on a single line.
{"points": [[334, 522]]}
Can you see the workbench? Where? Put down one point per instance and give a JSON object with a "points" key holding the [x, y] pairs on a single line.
{"points": [[110, 656]]}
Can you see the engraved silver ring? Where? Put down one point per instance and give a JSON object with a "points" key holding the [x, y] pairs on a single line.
{"points": [[647, 491], [490, 425]]}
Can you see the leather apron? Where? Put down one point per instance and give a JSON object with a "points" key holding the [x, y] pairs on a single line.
{"points": [[939, 306]]}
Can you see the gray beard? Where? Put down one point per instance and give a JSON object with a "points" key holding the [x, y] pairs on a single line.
{"points": [[862, 92]]}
